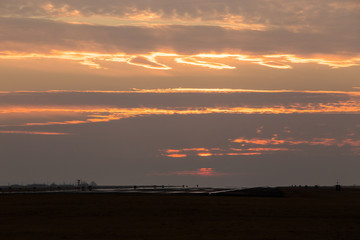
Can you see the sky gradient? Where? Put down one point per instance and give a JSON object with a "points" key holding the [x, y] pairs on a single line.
{"points": [[229, 93]]}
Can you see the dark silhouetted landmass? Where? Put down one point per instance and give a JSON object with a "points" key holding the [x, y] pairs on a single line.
{"points": [[299, 213]]}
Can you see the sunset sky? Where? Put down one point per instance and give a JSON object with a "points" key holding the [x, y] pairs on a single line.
{"points": [[187, 92]]}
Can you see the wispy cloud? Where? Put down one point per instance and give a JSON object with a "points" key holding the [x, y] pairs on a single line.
{"points": [[201, 172], [261, 146], [33, 133], [292, 141], [106, 114], [215, 152], [82, 107], [213, 61], [187, 90]]}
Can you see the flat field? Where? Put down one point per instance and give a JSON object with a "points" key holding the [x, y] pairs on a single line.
{"points": [[303, 213]]}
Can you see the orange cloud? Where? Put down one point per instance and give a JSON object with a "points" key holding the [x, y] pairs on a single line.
{"points": [[149, 61], [258, 141], [291, 141], [204, 154], [95, 114], [196, 62], [190, 90], [195, 149], [180, 153], [77, 114], [262, 142], [95, 59], [172, 151], [64, 10], [33, 133], [230, 90], [148, 17]]}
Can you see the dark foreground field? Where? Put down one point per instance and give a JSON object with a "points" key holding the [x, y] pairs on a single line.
{"points": [[306, 213]]}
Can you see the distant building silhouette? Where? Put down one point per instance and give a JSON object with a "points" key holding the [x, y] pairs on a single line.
{"points": [[337, 186]]}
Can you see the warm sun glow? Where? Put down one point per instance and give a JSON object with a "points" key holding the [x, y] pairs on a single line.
{"points": [[201, 172]]}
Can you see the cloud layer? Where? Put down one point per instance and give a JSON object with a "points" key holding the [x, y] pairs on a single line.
{"points": [[22, 34], [304, 14], [206, 33]]}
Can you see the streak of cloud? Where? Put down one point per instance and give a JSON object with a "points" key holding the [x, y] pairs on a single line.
{"points": [[81, 107], [261, 146], [185, 90], [106, 114], [33, 133], [94, 60], [201, 172], [291, 141], [213, 152]]}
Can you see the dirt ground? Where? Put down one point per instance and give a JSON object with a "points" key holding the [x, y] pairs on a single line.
{"points": [[304, 213]]}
